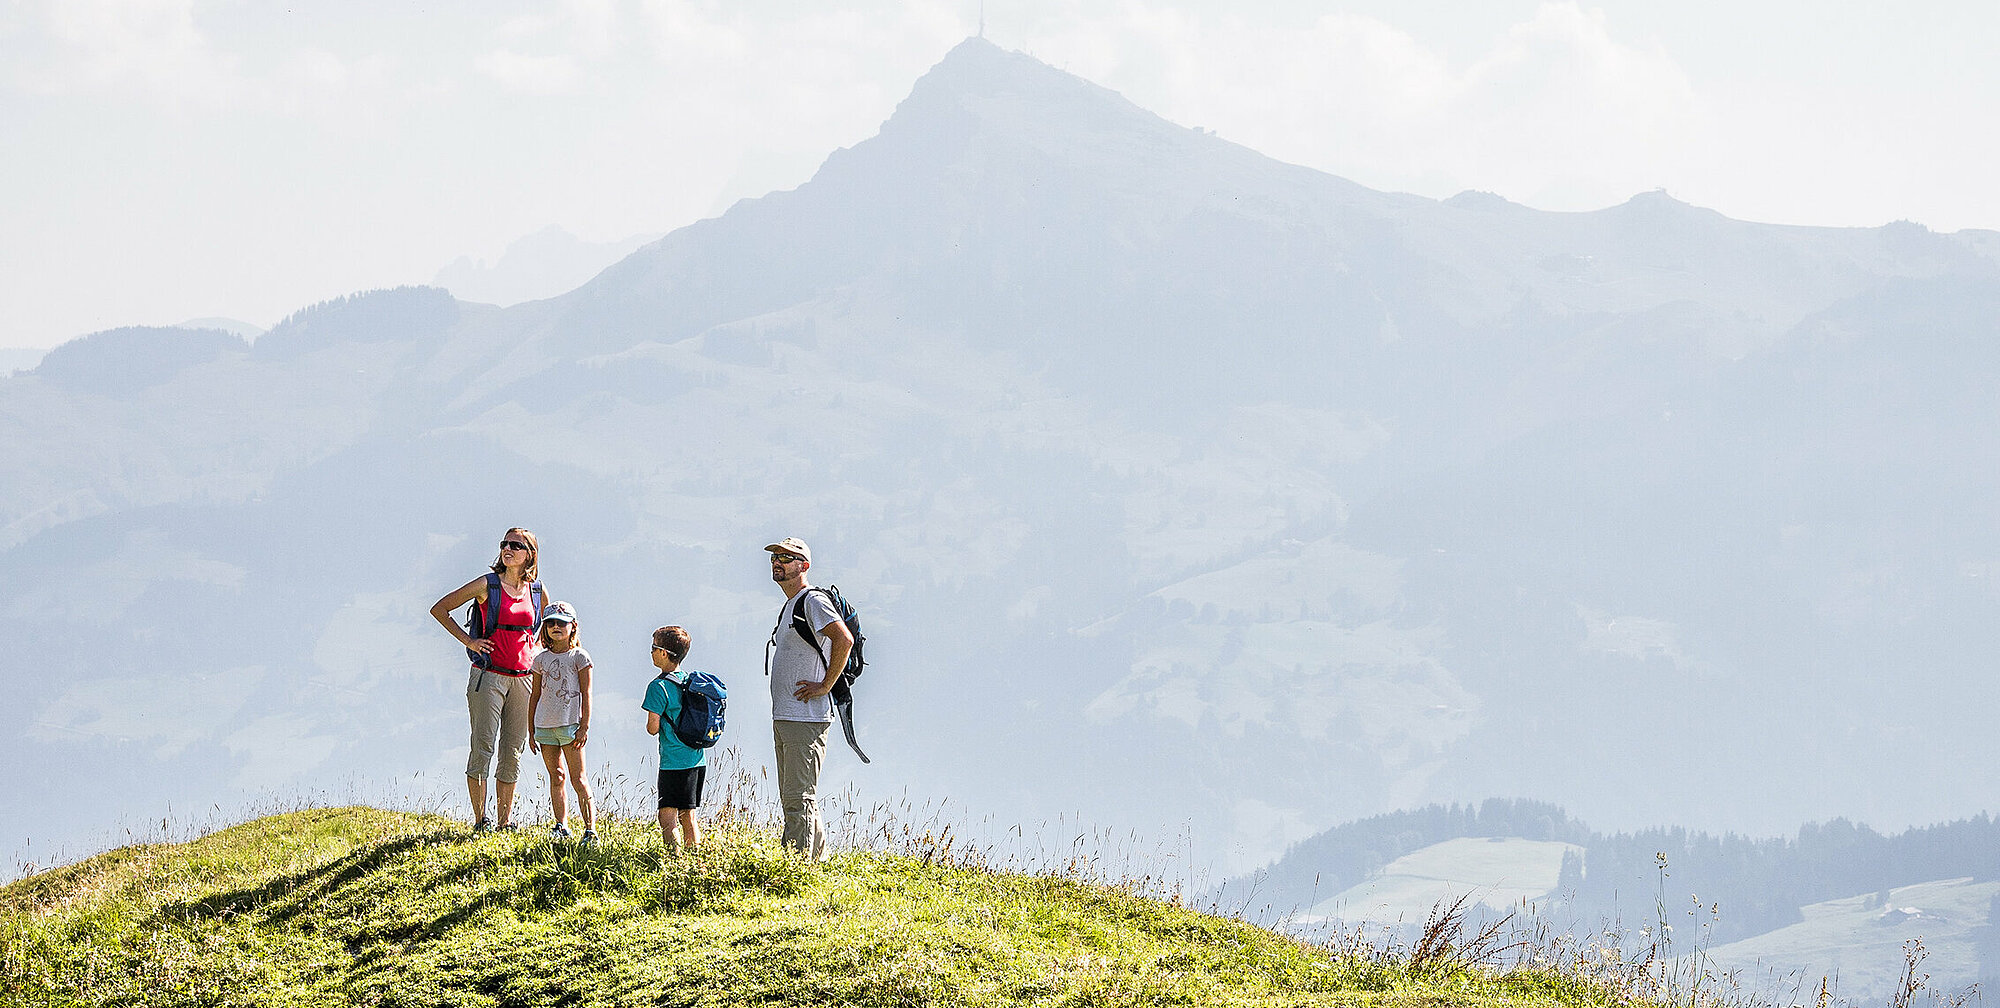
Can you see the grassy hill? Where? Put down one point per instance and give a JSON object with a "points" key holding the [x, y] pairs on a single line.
{"points": [[1863, 939], [359, 906]]}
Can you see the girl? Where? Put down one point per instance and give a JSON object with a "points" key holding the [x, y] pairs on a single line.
{"points": [[562, 715], [507, 609]]}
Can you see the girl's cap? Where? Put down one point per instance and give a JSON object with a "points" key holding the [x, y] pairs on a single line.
{"points": [[559, 612]]}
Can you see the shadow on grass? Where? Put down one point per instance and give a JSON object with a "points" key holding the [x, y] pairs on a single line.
{"points": [[524, 874], [291, 893]]}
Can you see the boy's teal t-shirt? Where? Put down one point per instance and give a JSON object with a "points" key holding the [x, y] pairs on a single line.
{"points": [[664, 698]]}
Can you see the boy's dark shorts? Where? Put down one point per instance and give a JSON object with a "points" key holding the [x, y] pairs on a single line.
{"points": [[681, 789]]}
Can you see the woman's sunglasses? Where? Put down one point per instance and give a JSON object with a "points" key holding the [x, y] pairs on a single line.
{"points": [[512, 545]]}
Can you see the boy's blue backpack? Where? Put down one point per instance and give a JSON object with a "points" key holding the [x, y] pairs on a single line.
{"points": [[482, 622], [703, 698]]}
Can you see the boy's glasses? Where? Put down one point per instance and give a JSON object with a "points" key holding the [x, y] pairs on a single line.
{"points": [[512, 545]]}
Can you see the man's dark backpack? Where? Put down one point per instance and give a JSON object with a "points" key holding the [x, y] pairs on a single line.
{"points": [[843, 687], [703, 698], [843, 692], [481, 621]]}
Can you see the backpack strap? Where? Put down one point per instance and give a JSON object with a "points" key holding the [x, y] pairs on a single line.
{"points": [[680, 692], [487, 613], [494, 603], [799, 624], [805, 629], [479, 623]]}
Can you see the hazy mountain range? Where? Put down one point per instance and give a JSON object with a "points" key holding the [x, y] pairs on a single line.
{"points": [[27, 358], [1187, 490], [1775, 916], [549, 262], [19, 359]]}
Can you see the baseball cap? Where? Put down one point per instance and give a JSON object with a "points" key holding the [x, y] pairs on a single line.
{"points": [[791, 545], [559, 612]]}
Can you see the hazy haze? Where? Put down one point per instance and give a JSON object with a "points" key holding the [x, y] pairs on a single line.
{"points": [[1187, 484], [172, 159], [1222, 499]]}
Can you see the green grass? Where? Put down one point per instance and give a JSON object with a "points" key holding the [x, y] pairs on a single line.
{"points": [[359, 906]]}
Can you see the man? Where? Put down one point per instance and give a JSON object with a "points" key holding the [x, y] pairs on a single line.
{"points": [[802, 676]]}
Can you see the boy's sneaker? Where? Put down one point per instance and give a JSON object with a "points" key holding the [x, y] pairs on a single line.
{"points": [[561, 832], [590, 838], [484, 825]]}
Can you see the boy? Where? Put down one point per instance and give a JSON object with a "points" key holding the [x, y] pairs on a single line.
{"points": [[683, 769]]}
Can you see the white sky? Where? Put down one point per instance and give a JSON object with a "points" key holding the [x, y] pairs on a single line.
{"points": [[162, 160]]}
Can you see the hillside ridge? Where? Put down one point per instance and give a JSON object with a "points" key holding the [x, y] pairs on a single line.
{"points": [[365, 906]]}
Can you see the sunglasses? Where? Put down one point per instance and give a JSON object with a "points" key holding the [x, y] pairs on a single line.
{"points": [[785, 558], [512, 545]]}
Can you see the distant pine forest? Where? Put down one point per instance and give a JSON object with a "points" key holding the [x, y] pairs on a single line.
{"points": [[1755, 885]]}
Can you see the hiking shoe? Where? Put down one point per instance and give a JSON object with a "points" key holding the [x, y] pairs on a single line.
{"points": [[589, 838], [561, 832], [484, 825], [506, 827]]}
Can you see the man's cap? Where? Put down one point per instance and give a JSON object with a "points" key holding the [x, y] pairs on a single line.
{"points": [[559, 612], [793, 546]]}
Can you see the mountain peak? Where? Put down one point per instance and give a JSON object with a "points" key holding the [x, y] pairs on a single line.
{"points": [[979, 85], [1656, 205], [976, 50], [978, 66]]}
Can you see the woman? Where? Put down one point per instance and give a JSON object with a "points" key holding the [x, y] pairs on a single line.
{"points": [[507, 611]]}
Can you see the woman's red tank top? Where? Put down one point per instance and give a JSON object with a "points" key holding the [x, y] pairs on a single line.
{"points": [[513, 650]]}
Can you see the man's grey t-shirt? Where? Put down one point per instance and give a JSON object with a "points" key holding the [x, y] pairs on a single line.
{"points": [[793, 660]]}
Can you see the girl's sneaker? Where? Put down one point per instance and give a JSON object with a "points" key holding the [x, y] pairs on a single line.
{"points": [[561, 832], [484, 825], [590, 838]]}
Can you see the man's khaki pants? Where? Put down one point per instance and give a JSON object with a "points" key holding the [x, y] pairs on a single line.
{"points": [[801, 748]]}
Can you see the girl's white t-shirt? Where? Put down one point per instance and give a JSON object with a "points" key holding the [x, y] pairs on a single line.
{"points": [[562, 687]]}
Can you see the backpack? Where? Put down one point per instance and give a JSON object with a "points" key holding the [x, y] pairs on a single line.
{"points": [[703, 698], [478, 619], [842, 692], [842, 688]]}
